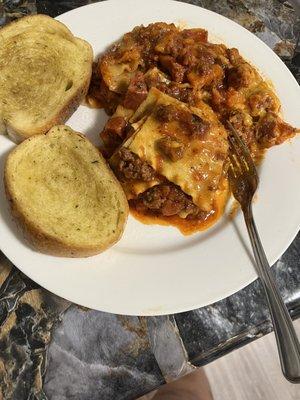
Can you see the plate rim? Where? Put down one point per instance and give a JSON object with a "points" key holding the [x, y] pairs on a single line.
{"points": [[228, 292]]}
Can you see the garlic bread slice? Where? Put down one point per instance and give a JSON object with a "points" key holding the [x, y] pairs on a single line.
{"points": [[44, 74], [63, 194]]}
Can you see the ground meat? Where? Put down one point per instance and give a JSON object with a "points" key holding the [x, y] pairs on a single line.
{"points": [[111, 143], [212, 76], [194, 70], [197, 126], [170, 148], [151, 35], [178, 91], [165, 199], [205, 60], [240, 76], [191, 124], [218, 97], [157, 79], [175, 43], [234, 56], [147, 38], [113, 134], [175, 70], [187, 57], [271, 130], [136, 93], [172, 45], [261, 102], [116, 126], [99, 90], [182, 92], [243, 124], [166, 113], [195, 34], [131, 168]]}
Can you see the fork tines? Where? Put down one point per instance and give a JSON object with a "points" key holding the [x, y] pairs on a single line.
{"points": [[239, 154]]}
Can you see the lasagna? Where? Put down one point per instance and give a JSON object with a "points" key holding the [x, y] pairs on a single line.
{"points": [[170, 93]]}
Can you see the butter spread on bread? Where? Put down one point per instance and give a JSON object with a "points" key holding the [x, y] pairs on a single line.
{"points": [[63, 194], [45, 72]]}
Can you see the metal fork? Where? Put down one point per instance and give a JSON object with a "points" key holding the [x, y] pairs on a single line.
{"points": [[243, 180]]}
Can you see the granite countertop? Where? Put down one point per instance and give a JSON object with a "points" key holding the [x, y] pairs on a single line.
{"points": [[52, 349]]}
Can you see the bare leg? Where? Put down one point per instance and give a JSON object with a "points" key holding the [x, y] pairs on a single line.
{"points": [[194, 386]]}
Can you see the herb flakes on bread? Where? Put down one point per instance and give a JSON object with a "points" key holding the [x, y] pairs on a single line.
{"points": [[63, 194]]}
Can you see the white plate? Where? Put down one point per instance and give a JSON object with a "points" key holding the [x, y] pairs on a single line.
{"points": [[155, 270]]}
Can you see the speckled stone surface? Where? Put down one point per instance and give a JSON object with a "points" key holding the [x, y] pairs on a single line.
{"points": [[52, 349]]}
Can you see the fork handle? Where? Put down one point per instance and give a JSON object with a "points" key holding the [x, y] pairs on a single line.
{"points": [[286, 338]]}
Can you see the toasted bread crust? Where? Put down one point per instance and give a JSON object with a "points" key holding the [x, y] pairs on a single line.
{"points": [[70, 105], [28, 17], [49, 244], [43, 241]]}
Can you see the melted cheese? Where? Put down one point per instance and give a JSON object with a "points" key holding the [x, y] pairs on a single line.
{"points": [[199, 171]]}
